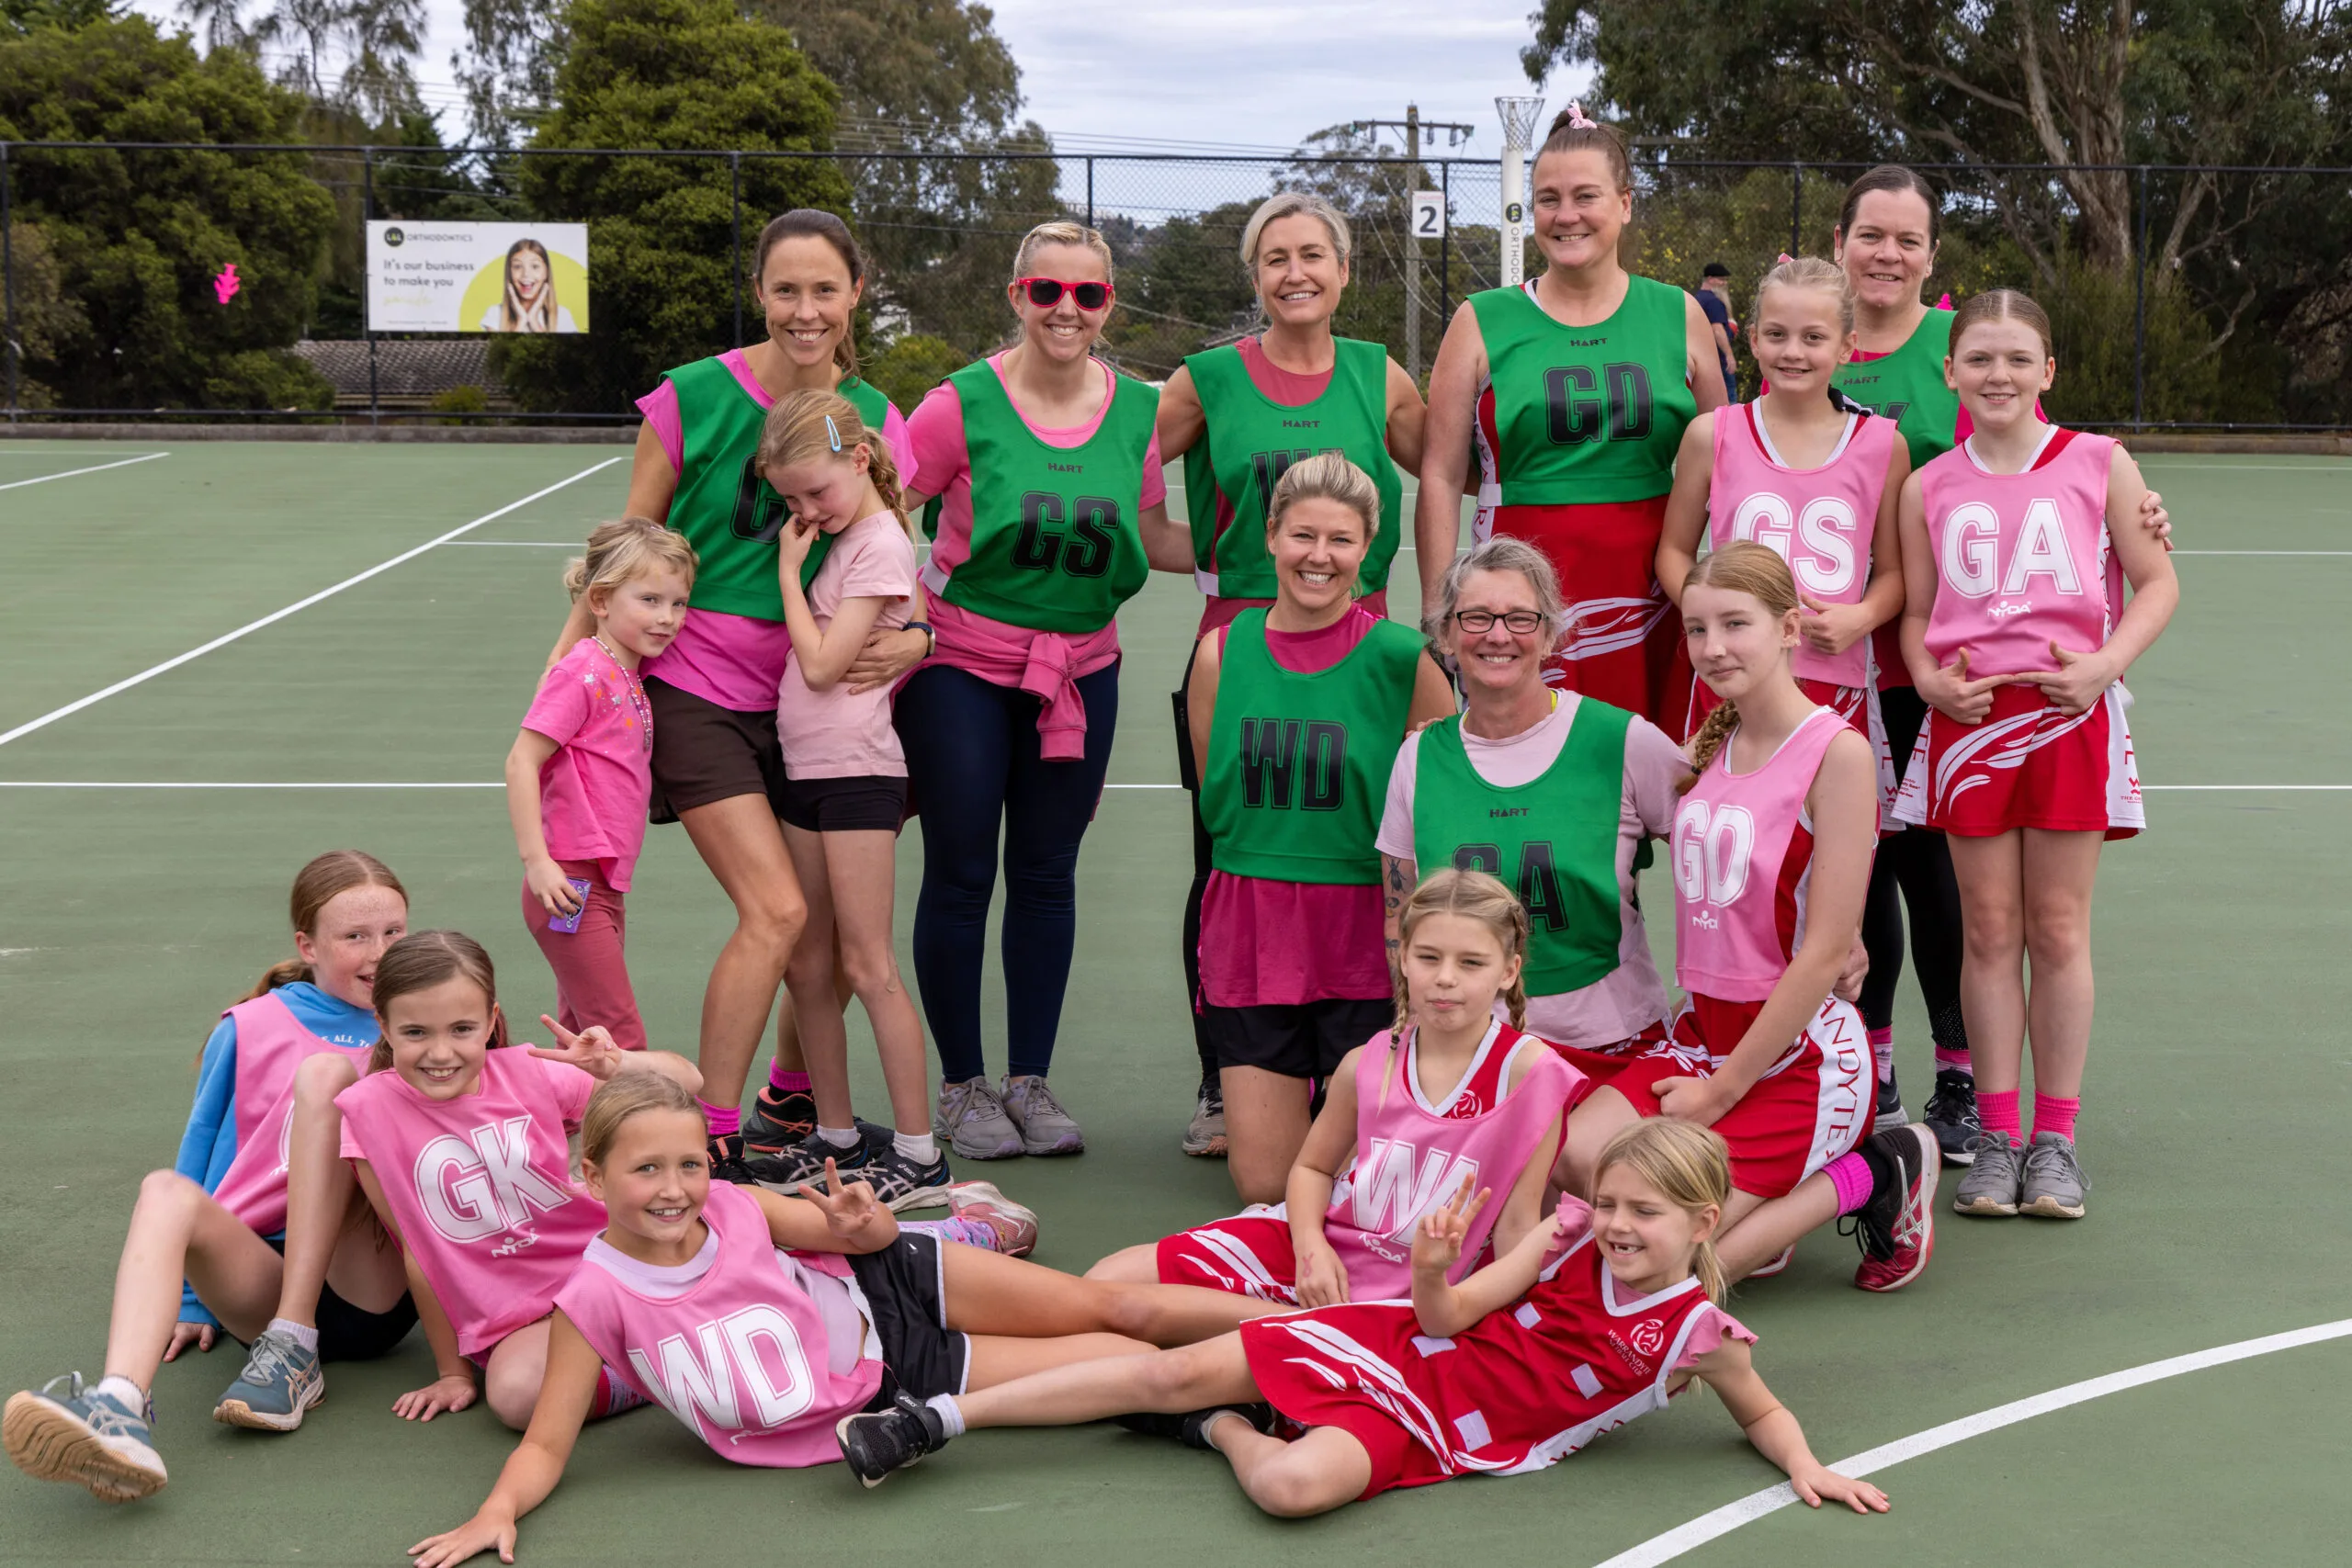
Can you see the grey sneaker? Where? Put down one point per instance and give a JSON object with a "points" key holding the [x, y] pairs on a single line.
{"points": [[281, 1379], [1995, 1176], [971, 1121], [2054, 1182], [1046, 1127], [1891, 1113], [82, 1436], [1206, 1137]]}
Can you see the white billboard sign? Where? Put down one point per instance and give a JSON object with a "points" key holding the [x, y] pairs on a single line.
{"points": [[435, 276]]}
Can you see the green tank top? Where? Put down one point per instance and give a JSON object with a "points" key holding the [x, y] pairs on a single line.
{"points": [[1056, 545], [723, 506], [1907, 387], [1298, 763], [1588, 414], [1251, 440], [1552, 840]]}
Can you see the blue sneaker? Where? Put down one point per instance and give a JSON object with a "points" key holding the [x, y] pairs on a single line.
{"points": [[86, 1436], [281, 1379]]}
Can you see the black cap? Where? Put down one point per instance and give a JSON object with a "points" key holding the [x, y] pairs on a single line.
{"points": [[1715, 269]]}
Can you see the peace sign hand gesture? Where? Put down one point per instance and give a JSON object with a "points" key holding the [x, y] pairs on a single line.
{"points": [[1438, 1239], [592, 1050], [850, 1207]]}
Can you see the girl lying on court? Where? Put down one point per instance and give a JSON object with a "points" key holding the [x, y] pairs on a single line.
{"points": [[1451, 1092], [205, 1241], [761, 1321], [1598, 1316]]}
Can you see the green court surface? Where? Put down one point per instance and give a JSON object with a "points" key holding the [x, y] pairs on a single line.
{"points": [[129, 916]]}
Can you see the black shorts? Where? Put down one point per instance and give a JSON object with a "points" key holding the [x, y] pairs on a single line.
{"points": [[865, 803], [348, 1333], [1304, 1040], [704, 753], [906, 1293]]}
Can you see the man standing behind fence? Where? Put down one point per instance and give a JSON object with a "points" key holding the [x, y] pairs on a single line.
{"points": [[1714, 298]]}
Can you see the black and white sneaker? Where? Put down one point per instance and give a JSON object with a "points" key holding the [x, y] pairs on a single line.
{"points": [[1890, 1112], [876, 1443], [727, 1161], [1192, 1427], [778, 1120], [1950, 1115], [900, 1182], [785, 1170]]}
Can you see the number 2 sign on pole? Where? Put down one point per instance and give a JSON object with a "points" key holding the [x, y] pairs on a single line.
{"points": [[1429, 214]]}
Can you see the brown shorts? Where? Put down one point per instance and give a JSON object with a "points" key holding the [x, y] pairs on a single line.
{"points": [[703, 753]]}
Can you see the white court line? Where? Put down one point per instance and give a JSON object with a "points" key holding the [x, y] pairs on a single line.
{"points": [[144, 675], [519, 544], [99, 468], [1756, 1505]]}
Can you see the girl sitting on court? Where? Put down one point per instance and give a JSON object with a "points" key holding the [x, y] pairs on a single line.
{"points": [[760, 1321], [460, 1147], [1598, 1316], [1772, 854], [204, 1245], [2017, 637], [578, 779], [845, 788], [1448, 1090]]}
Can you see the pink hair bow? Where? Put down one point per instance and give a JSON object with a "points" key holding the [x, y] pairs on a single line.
{"points": [[1577, 120], [1785, 259]]}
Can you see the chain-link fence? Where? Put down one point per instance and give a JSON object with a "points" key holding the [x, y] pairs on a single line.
{"points": [[2183, 298]]}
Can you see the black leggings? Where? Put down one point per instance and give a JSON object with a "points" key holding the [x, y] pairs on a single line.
{"points": [[1913, 871], [1203, 1045], [978, 777]]}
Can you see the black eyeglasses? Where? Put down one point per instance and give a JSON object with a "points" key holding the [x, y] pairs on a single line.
{"points": [[1479, 622], [1047, 292]]}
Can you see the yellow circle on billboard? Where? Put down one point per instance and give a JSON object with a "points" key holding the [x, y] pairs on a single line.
{"points": [[488, 288]]}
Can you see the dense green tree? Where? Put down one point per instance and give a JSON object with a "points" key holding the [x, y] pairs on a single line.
{"points": [[681, 74], [138, 236], [24, 16]]}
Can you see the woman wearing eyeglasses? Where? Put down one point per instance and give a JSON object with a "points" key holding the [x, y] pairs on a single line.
{"points": [[1551, 790], [1046, 508], [1241, 414]]}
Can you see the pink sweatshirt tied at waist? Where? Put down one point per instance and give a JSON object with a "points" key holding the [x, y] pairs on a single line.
{"points": [[1046, 665]]}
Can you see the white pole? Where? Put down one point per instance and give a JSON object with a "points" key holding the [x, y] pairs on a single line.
{"points": [[1514, 215]]}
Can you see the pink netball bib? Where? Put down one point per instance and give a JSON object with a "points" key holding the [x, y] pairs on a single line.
{"points": [[271, 1043], [2020, 558]]}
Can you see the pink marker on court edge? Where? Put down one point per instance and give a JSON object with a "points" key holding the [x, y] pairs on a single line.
{"points": [[226, 283]]}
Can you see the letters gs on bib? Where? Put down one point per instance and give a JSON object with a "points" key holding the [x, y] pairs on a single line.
{"points": [[1612, 406], [1092, 522]]}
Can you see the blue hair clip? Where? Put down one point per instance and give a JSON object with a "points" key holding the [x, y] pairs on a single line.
{"points": [[832, 433]]}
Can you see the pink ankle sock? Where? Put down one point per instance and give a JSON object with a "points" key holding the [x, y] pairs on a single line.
{"points": [[1999, 1113], [786, 1083], [1882, 1052], [2051, 1115], [724, 1121], [1946, 1060], [1850, 1174]]}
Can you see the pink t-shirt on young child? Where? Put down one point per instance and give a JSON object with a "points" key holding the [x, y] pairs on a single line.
{"points": [[480, 1186], [733, 660], [593, 792], [837, 733], [1269, 944], [1630, 998], [1046, 664]]}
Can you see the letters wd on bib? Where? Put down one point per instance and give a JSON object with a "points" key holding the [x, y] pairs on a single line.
{"points": [[432, 277]]}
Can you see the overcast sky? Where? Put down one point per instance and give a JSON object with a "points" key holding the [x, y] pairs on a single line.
{"points": [[1223, 72]]}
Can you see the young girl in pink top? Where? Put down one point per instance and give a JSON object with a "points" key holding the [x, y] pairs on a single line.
{"points": [[1051, 509], [204, 1250], [1771, 851], [460, 1148], [846, 790], [578, 779], [1816, 477], [2015, 632], [760, 1321], [1448, 1092]]}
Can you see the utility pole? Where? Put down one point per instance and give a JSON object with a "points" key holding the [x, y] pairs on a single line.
{"points": [[1414, 128]]}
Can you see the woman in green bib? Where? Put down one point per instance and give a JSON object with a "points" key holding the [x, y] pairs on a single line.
{"points": [[1240, 416], [1554, 792], [1296, 711], [1046, 508], [1887, 231], [716, 763], [1575, 390]]}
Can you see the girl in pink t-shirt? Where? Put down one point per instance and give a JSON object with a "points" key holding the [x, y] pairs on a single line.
{"points": [[460, 1147], [2015, 546], [578, 778], [846, 790]]}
